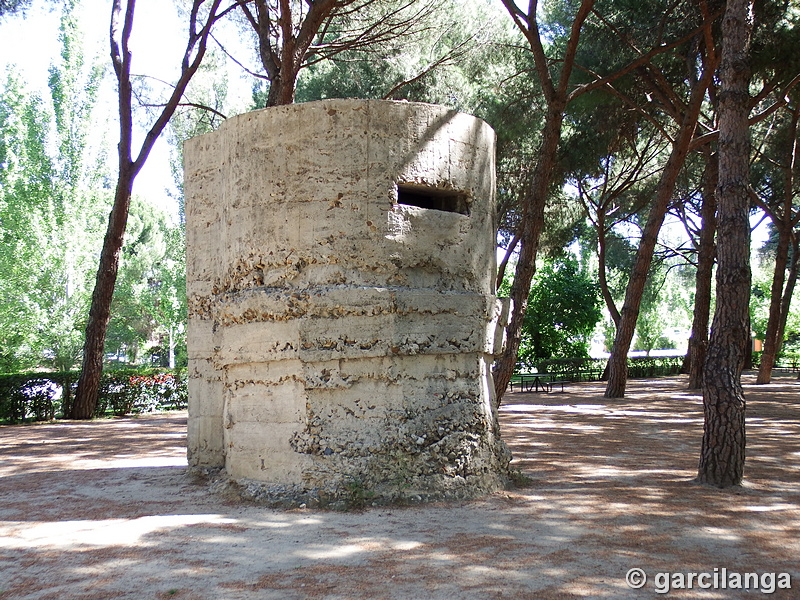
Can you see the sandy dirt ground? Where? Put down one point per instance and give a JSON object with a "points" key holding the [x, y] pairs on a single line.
{"points": [[106, 510]]}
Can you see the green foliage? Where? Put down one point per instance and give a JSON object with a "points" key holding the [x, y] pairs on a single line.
{"points": [[563, 309], [30, 396], [24, 189], [642, 367], [133, 391], [650, 324], [759, 303], [356, 494], [773, 48], [53, 207], [51, 210], [17, 7], [572, 369], [44, 396], [149, 305], [791, 345], [665, 306], [452, 54]]}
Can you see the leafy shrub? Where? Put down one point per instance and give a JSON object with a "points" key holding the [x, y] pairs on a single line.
{"points": [[563, 309], [43, 396], [32, 396], [132, 391], [640, 367]]}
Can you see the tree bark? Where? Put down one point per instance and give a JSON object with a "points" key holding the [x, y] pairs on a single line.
{"points": [[283, 43], [556, 95], [698, 340], [88, 389], [722, 453], [773, 338], [771, 342], [618, 361], [791, 281], [601, 267], [531, 229]]}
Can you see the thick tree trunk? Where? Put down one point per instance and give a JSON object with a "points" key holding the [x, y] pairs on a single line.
{"points": [[282, 92], [723, 449], [722, 454], [280, 95], [618, 361], [532, 223], [100, 312], [698, 340]]}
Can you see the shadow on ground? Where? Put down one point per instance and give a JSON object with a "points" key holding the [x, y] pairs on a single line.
{"points": [[103, 510]]}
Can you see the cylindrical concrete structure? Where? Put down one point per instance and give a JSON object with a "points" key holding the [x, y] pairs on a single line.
{"points": [[340, 268]]}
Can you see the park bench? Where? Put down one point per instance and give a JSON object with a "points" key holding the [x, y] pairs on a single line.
{"points": [[562, 372], [532, 382]]}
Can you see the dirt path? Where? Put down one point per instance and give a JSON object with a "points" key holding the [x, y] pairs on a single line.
{"points": [[105, 510]]}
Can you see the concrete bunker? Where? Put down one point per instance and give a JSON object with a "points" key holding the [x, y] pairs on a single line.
{"points": [[342, 318]]}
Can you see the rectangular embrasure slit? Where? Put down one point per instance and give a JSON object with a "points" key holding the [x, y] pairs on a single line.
{"points": [[432, 198]]}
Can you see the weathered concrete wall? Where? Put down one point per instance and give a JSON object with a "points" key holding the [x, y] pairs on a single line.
{"points": [[339, 341]]}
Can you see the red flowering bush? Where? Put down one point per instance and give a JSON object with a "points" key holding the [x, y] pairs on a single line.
{"points": [[131, 392]]}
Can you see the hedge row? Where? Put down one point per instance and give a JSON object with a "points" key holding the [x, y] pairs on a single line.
{"points": [[46, 396], [591, 369], [641, 367]]}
